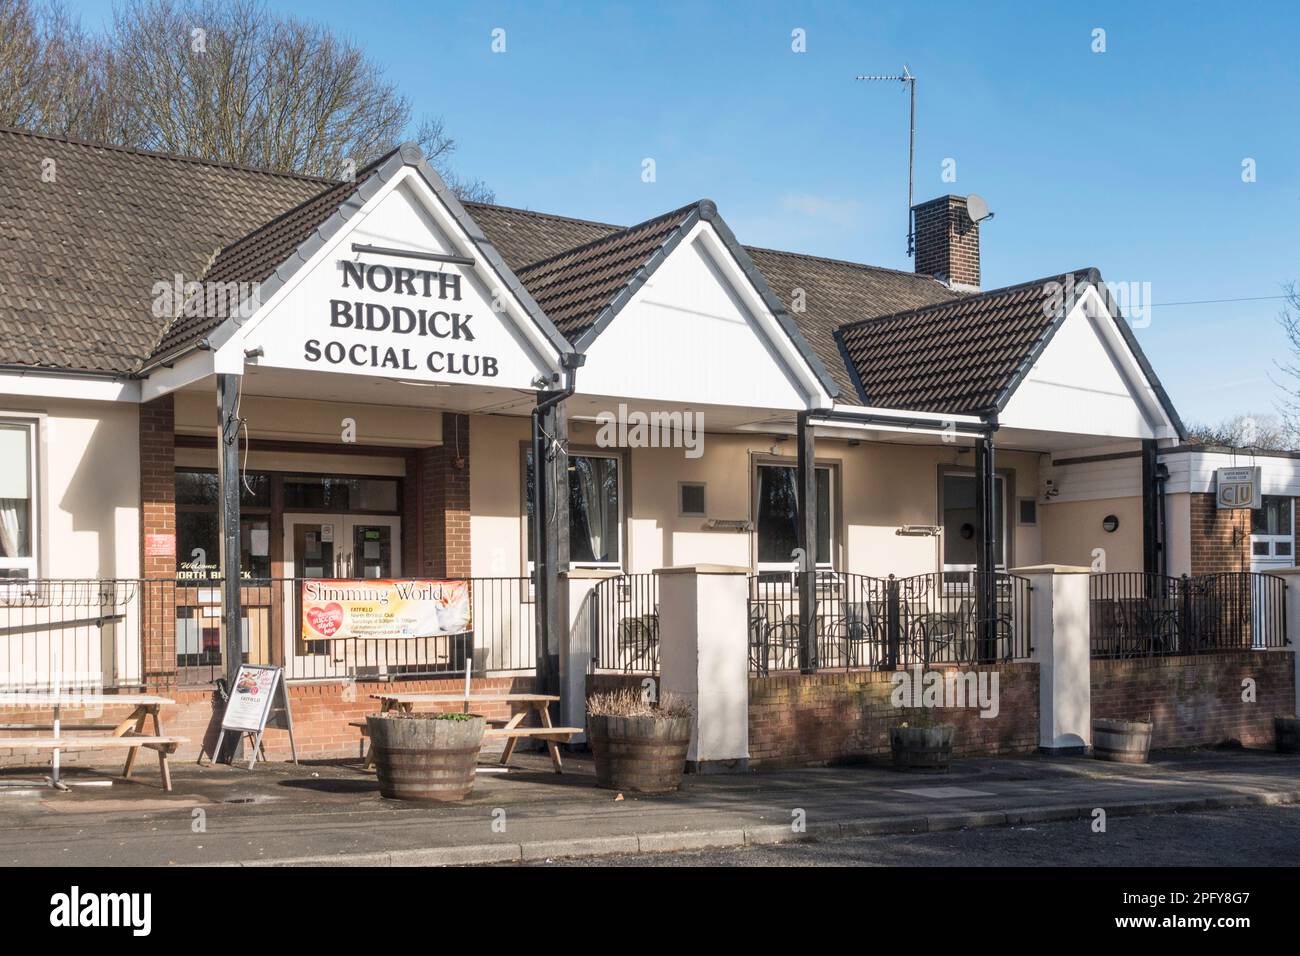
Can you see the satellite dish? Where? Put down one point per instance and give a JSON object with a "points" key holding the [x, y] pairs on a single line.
{"points": [[977, 208]]}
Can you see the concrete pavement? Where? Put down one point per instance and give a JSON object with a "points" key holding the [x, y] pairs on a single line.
{"points": [[331, 814]]}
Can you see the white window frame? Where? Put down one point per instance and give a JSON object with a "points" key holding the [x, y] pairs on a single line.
{"points": [[1008, 527], [29, 564], [764, 567], [621, 461], [1272, 540]]}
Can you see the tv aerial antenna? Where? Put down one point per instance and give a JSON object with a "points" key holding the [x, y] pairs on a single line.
{"points": [[908, 80]]}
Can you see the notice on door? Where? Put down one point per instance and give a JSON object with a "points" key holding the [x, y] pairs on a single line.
{"points": [[384, 610]]}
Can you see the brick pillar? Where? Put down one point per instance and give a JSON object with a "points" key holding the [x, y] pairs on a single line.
{"points": [[444, 477], [158, 540]]}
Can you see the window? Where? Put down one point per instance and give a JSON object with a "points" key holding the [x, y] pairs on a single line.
{"points": [[18, 530], [690, 502], [595, 509], [957, 492], [777, 525], [1271, 529], [198, 537]]}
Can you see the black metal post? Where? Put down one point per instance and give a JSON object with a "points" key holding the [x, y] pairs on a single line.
{"points": [[1151, 543], [228, 426], [985, 556], [807, 543], [893, 629], [550, 536]]}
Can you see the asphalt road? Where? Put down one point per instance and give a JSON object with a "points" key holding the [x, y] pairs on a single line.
{"points": [[1254, 836]]}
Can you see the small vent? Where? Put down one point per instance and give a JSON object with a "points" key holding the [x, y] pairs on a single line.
{"points": [[1028, 511], [692, 499]]}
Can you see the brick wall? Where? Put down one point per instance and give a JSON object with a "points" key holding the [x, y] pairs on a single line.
{"points": [[157, 525], [321, 713], [802, 719], [1220, 539], [444, 477], [1196, 701]]}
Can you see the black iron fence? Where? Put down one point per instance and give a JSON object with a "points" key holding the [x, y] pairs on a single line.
{"points": [[1134, 614], [147, 632], [860, 621], [624, 616]]}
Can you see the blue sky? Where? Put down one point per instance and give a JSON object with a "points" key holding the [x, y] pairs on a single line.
{"points": [[1128, 160]]}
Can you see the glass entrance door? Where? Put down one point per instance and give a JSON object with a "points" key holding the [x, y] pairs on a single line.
{"points": [[340, 547]]}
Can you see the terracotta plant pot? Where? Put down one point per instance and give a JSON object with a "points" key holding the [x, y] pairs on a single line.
{"points": [[1123, 741], [922, 748], [1287, 731], [425, 756], [639, 754]]}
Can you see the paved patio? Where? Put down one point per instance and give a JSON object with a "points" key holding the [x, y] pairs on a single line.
{"points": [[331, 813]]}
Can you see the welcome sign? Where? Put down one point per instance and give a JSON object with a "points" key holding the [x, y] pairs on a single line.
{"points": [[384, 610]]}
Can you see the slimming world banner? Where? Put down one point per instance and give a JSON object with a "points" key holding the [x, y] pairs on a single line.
{"points": [[383, 610]]}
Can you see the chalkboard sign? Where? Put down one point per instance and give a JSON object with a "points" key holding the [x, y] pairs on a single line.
{"points": [[258, 700]]}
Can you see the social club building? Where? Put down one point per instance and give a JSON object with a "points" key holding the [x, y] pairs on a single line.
{"points": [[217, 383]]}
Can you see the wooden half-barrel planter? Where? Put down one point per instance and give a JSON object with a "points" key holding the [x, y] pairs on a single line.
{"points": [[921, 748], [425, 756], [1287, 731], [639, 754], [1123, 741]]}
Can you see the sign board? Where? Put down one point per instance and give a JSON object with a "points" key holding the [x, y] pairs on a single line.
{"points": [[249, 705], [384, 609], [1238, 488], [258, 700]]}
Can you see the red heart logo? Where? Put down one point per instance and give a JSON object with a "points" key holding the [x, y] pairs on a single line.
{"points": [[325, 620]]}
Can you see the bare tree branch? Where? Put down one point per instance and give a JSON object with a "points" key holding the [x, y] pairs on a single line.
{"points": [[224, 80]]}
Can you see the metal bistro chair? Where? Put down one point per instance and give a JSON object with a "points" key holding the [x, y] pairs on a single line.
{"points": [[767, 636], [860, 631], [943, 636], [638, 641]]}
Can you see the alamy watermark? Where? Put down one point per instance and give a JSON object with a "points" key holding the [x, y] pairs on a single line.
{"points": [[949, 688], [658, 429]]}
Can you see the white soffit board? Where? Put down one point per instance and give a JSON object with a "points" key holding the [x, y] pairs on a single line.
{"points": [[439, 325], [1078, 385], [698, 333], [1193, 471]]}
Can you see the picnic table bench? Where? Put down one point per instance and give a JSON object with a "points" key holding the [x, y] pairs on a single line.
{"points": [[126, 734], [508, 727]]}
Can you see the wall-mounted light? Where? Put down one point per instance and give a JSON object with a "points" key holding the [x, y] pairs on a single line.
{"points": [[1109, 523]]}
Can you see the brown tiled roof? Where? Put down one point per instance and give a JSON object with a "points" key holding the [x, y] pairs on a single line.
{"points": [[959, 356], [81, 249], [254, 257], [575, 286], [524, 237], [835, 292]]}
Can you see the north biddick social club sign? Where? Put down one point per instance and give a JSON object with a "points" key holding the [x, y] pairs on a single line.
{"points": [[418, 321]]}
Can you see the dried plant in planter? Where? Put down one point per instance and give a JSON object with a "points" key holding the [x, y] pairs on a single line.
{"points": [[638, 745], [631, 703]]}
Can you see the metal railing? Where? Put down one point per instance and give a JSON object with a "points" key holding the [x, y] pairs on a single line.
{"points": [[117, 633], [867, 622], [66, 634], [1135, 614], [625, 619]]}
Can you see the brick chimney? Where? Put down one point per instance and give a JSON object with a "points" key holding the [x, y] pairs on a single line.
{"points": [[947, 242]]}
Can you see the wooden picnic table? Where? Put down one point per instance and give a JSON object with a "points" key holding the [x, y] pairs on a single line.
{"points": [[510, 729], [128, 733]]}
